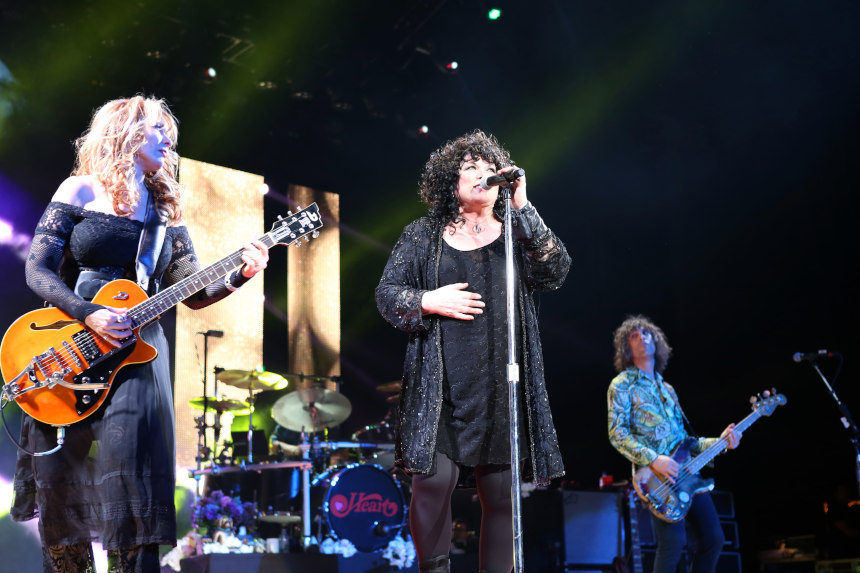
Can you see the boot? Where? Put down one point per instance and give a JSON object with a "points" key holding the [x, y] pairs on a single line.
{"points": [[438, 564]]}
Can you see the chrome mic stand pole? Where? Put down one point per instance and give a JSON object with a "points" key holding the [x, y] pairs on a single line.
{"points": [[513, 382]]}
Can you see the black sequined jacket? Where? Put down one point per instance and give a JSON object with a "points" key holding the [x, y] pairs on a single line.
{"points": [[412, 269]]}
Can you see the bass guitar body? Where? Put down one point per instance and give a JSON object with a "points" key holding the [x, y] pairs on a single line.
{"points": [[671, 502], [71, 376]]}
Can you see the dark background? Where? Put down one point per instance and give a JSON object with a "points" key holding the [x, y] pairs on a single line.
{"points": [[698, 159]]}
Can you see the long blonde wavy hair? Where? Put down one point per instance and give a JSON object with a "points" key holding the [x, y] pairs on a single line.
{"points": [[107, 151]]}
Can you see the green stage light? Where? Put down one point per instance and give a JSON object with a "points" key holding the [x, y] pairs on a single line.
{"points": [[494, 14]]}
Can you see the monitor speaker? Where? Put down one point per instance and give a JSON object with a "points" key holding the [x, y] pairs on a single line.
{"points": [[592, 527]]}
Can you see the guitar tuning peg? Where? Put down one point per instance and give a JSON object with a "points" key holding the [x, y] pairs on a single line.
{"points": [[281, 218], [307, 239], [753, 399], [766, 393], [773, 391], [289, 213], [315, 234], [300, 207], [298, 243]]}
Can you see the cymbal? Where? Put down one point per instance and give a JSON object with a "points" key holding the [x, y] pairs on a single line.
{"points": [[250, 379], [311, 409], [390, 386], [221, 405]]}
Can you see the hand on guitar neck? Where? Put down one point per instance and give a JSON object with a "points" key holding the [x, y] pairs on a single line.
{"points": [[667, 468]]}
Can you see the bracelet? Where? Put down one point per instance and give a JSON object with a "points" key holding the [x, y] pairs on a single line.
{"points": [[228, 282]]}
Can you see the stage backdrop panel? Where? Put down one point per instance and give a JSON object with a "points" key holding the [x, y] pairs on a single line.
{"points": [[223, 210], [313, 291]]}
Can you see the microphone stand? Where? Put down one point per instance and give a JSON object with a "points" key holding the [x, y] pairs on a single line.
{"points": [[848, 422], [513, 382], [202, 427]]}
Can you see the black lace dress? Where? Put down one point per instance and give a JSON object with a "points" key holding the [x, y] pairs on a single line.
{"points": [[113, 480], [474, 422]]}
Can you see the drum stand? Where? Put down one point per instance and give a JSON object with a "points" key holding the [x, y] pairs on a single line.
{"points": [[203, 451]]}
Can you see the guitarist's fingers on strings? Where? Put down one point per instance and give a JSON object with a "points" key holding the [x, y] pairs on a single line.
{"points": [[665, 467], [111, 323]]}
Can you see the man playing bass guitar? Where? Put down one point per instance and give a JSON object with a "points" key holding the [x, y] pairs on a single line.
{"points": [[646, 424]]}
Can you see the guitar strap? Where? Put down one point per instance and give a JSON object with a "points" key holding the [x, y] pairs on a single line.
{"points": [[149, 248]]}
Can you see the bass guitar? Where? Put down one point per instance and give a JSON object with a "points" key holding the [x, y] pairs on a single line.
{"points": [[671, 501], [60, 372]]}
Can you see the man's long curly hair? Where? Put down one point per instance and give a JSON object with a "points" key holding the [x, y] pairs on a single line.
{"points": [[623, 355], [107, 151], [438, 186]]}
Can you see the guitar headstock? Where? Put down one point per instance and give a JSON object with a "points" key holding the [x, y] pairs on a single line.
{"points": [[766, 402], [290, 229]]}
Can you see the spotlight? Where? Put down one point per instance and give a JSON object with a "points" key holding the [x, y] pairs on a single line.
{"points": [[494, 14], [211, 73], [264, 189], [423, 130], [452, 66]]}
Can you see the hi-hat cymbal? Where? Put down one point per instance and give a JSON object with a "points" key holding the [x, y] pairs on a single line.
{"points": [[252, 379], [222, 405], [390, 386], [311, 409]]}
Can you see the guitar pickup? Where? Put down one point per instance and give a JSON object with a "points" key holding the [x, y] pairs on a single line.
{"points": [[83, 339]]}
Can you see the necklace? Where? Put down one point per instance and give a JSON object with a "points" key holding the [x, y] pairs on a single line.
{"points": [[477, 228]]}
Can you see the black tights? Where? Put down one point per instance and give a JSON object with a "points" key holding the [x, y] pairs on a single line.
{"points": [[430, 514], [78, 558]]}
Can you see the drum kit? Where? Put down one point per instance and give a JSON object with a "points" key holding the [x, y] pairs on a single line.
{"points": [[349, 489]]}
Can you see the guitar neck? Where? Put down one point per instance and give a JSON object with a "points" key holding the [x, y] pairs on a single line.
{"points": [[717, 448], [152, 308], [635, 549]]}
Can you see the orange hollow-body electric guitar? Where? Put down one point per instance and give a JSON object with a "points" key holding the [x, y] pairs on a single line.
{"points": [[60, 372]]}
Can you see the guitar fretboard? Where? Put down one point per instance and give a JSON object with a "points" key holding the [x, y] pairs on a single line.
{"points": [[717, 447], [286, 231]]}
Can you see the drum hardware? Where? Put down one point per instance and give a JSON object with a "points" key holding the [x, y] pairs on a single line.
{"points": [[390, 387], [299, 379], [251, 380], [280, 518], [311, 409]]}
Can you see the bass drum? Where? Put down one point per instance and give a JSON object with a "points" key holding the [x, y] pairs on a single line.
{"points": [[361, 503]]}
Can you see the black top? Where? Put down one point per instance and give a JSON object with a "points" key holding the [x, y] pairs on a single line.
{"points": [[474, 422]]}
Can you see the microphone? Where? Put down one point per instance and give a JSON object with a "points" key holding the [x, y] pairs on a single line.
{"points": [[811, 356], [213, 333], [492, 180]]}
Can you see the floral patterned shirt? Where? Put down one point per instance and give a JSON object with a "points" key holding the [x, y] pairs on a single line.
{"points": [[645, 418]]}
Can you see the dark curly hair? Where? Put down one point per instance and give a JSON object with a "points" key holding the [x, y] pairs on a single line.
{"points": [[438, 186], [623, 355]]}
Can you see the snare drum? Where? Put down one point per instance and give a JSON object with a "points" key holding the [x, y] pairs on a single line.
{"points": [[361, 503]]}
